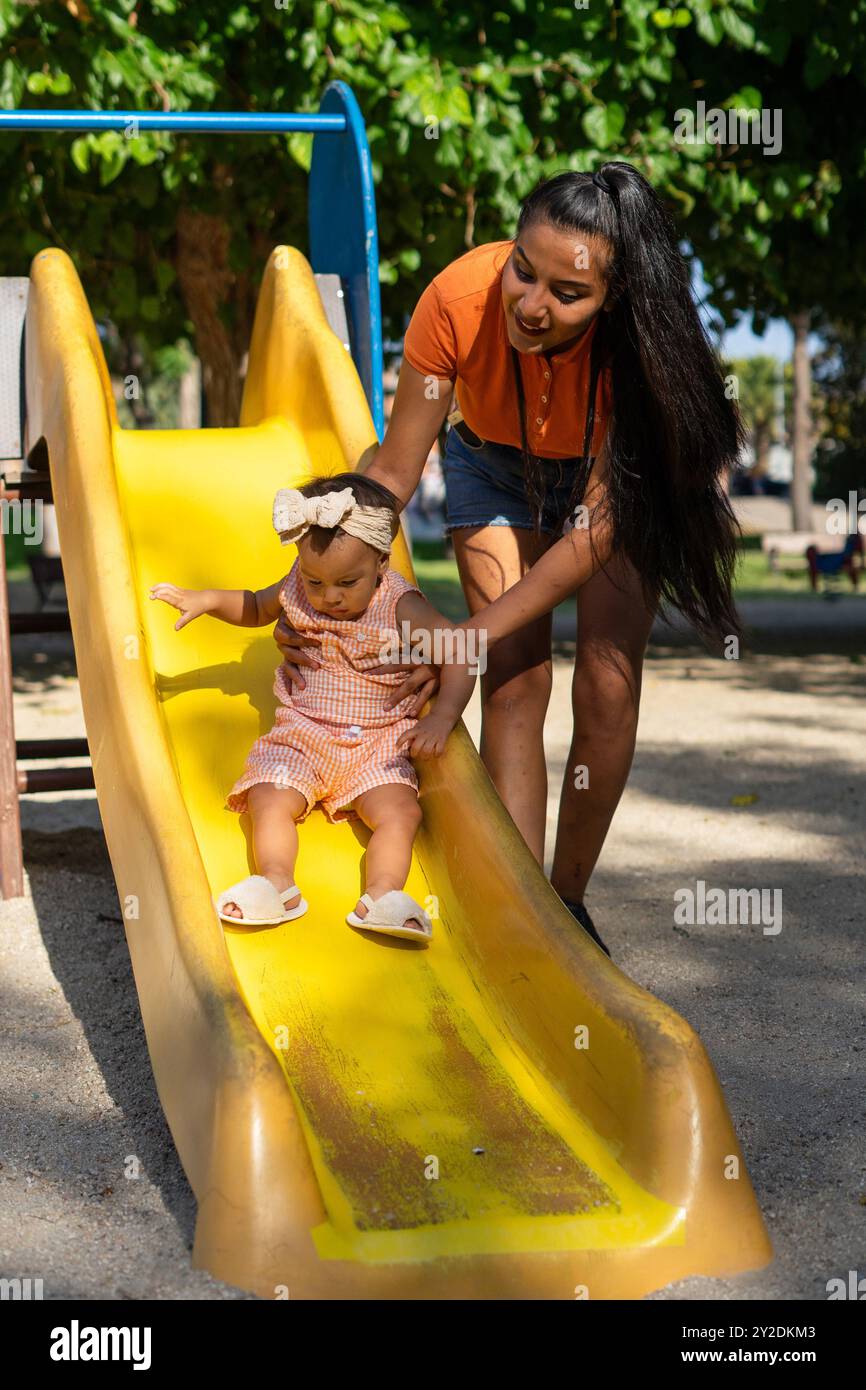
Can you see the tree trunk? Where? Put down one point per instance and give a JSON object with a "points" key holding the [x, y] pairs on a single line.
{"points": [[761, 440], [801, 488], [189, 408], [208, 285], [134, 387]]}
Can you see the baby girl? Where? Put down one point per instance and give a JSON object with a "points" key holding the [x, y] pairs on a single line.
{"points": [[333, 742]]}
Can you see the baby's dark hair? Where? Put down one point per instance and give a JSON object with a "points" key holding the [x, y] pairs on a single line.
{"points": [[368, 493]]}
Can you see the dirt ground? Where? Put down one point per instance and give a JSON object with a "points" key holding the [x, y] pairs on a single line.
{"points": [[781, 1015]]}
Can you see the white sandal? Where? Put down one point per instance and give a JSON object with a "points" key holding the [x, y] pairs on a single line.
{"points": [[260, 903], [389, 915]]}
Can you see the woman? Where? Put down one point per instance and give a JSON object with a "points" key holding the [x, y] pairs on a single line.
{"points": [[595, 431]]}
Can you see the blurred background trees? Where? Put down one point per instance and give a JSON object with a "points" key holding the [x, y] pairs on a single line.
{"points": [[467, 106]]}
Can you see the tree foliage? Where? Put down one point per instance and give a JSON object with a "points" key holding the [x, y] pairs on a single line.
{"points": [[840, 373], [468, 106]]}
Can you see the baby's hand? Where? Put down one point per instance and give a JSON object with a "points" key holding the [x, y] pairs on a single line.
{"points": [[191, 602], [428, 738]]}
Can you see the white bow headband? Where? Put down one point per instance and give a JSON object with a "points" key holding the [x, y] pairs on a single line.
{"points": [[294, 514]]}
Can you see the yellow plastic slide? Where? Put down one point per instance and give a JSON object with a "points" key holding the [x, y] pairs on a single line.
{"points": [[502, 1115]]}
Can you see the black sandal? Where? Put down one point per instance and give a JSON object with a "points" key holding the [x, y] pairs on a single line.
{"points": [[580, 914]]}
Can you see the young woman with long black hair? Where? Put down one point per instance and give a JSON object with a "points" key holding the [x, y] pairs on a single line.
{"points": [[587, 456]]}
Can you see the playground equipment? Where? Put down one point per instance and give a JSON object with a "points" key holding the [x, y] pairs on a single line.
{"points": [[503, 1115], [832, 565]]}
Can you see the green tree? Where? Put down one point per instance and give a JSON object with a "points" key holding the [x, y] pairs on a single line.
{"points": [[840, 373], [468, 106], [758, 386]]}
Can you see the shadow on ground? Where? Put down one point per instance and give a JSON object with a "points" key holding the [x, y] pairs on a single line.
{"points": [[91, 962]]}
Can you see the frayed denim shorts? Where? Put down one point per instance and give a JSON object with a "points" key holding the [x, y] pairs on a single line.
{"points": [[484, 486]]}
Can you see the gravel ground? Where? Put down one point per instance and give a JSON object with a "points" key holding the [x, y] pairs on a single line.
{"points": [[781, 1015]]}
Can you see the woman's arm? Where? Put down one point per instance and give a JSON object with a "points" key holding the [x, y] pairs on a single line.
{"points": [[439, 642], [560, 572], [420, 406]]}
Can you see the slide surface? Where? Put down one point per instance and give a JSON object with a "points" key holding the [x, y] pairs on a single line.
{"points": [[502, 1115]]}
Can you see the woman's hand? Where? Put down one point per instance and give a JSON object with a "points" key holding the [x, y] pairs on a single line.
{"points": [[423, 679], [428, 738], [191, 603], [291, 645]]}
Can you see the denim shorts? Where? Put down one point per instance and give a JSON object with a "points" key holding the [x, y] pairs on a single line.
{"points": [[484, 486]]}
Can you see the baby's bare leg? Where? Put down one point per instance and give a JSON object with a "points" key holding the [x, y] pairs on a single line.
{"points": [[393, 814], [273, 812]]}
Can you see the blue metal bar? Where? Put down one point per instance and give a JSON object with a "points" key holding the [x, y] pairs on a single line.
{"points": [[342, 204], [222, 122], [344, 239]]}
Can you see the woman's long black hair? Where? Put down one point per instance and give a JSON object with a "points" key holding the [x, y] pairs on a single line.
{"points": [[673, 433]]}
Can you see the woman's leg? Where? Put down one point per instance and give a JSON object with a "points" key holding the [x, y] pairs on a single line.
{"points": [[515, 689], [613, 626], [273, 811], [393, 813]]}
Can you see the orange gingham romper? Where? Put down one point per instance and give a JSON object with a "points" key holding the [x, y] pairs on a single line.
{"points": [[333, 740]]}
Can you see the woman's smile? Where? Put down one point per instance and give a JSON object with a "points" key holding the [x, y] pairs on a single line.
{"points": [[528, 329]]}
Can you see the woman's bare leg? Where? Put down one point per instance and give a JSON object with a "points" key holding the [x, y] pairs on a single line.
{"points": [[273, 811], [515, 689], [613, 626]]}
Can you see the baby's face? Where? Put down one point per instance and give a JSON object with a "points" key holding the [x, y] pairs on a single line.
{"points": [[340, 581]]}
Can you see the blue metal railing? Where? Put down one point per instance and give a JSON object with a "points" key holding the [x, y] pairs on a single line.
{"points": [[223, 122], [341, 207]]}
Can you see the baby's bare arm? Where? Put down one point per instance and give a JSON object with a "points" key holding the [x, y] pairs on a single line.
{"points": [[241, 607]]}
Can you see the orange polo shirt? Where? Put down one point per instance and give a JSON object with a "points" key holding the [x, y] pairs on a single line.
{"points": [[458, 331]]}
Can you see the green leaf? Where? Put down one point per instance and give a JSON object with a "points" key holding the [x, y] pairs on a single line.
{"points": [[300, 147], [709, 26], [820, 64], [746, 98], [604, 124], [60, 84], [458, 107], [658, 67], [736, 28], [12, 85], [111, 168], [79, 153]]}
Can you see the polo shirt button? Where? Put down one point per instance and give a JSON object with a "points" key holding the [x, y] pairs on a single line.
{"points": [[544, 398], [539, 420], [547, 376]]}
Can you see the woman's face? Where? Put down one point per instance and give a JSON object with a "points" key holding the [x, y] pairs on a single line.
{"points": [[553, 281]]}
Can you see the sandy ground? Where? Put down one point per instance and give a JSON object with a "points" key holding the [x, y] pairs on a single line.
{"points": [[781, 1015]]}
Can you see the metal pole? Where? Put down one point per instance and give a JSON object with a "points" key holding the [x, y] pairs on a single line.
{"points": [[199, 122], [11, 857]]}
